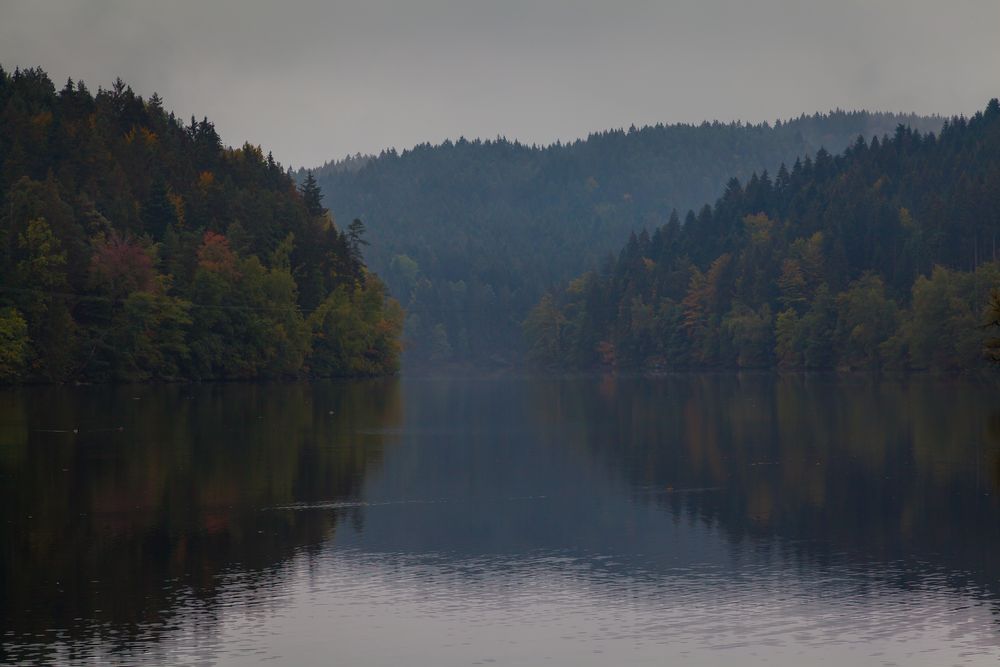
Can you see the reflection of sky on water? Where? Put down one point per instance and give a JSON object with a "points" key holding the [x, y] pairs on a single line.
{"points": [[385, 610], [345, 606], [740, 606]]}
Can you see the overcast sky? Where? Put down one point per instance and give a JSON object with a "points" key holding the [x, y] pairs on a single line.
{"points": [[313, 80]]}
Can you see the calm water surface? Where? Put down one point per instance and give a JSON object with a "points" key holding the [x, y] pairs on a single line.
{"points": [[696, 520]]}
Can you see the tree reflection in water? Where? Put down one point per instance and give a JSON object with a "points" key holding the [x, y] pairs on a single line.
{"points": [[118, 503], [857, 467]]}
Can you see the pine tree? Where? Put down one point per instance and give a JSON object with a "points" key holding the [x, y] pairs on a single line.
{"points": [[312, 196], [356, 240]]}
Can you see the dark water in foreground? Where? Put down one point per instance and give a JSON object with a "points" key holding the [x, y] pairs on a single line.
{"points": [[702, 520]]}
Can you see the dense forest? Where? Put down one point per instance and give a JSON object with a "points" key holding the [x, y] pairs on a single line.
{"points": [[135, 246], [882, 257], [471, 233]]}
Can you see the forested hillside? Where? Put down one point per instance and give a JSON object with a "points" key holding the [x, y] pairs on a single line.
{"points": [[135, 246], [472, 232], [882, 257]]}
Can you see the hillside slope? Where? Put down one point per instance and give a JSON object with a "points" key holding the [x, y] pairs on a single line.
{"points": [[472, 232], [133, 246], [882, 257]]}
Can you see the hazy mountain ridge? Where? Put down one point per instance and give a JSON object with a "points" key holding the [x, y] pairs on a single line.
{"points": [[472, 232]]}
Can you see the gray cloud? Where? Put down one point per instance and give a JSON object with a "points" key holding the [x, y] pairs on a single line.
{"points": [[315, 80]]}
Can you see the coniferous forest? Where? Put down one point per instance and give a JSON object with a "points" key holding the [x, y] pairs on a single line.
{"points": [[471, 233], [882, 257], [136, 246]]}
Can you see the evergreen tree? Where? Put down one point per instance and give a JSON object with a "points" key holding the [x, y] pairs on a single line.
{"points": [[312, 196]]}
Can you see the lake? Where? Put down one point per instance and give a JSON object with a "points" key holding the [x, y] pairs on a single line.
{"points": [[688, 519]]}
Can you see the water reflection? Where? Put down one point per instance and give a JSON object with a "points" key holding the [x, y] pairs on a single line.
{"points": [[122, 505], [880, 470], [706, 519]]}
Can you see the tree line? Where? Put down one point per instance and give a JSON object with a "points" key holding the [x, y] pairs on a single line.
{"points": [[136, 246], [471, 233], [884, 256]]}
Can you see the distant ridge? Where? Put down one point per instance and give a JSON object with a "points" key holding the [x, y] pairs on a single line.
{"points": [[473, 231]]}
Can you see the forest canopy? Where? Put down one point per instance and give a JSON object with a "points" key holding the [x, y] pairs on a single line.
{"points": [[471, 233], [136, 246], [882, 257]]}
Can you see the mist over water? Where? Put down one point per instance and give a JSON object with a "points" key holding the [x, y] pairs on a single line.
{"points": [[709, 519]]}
